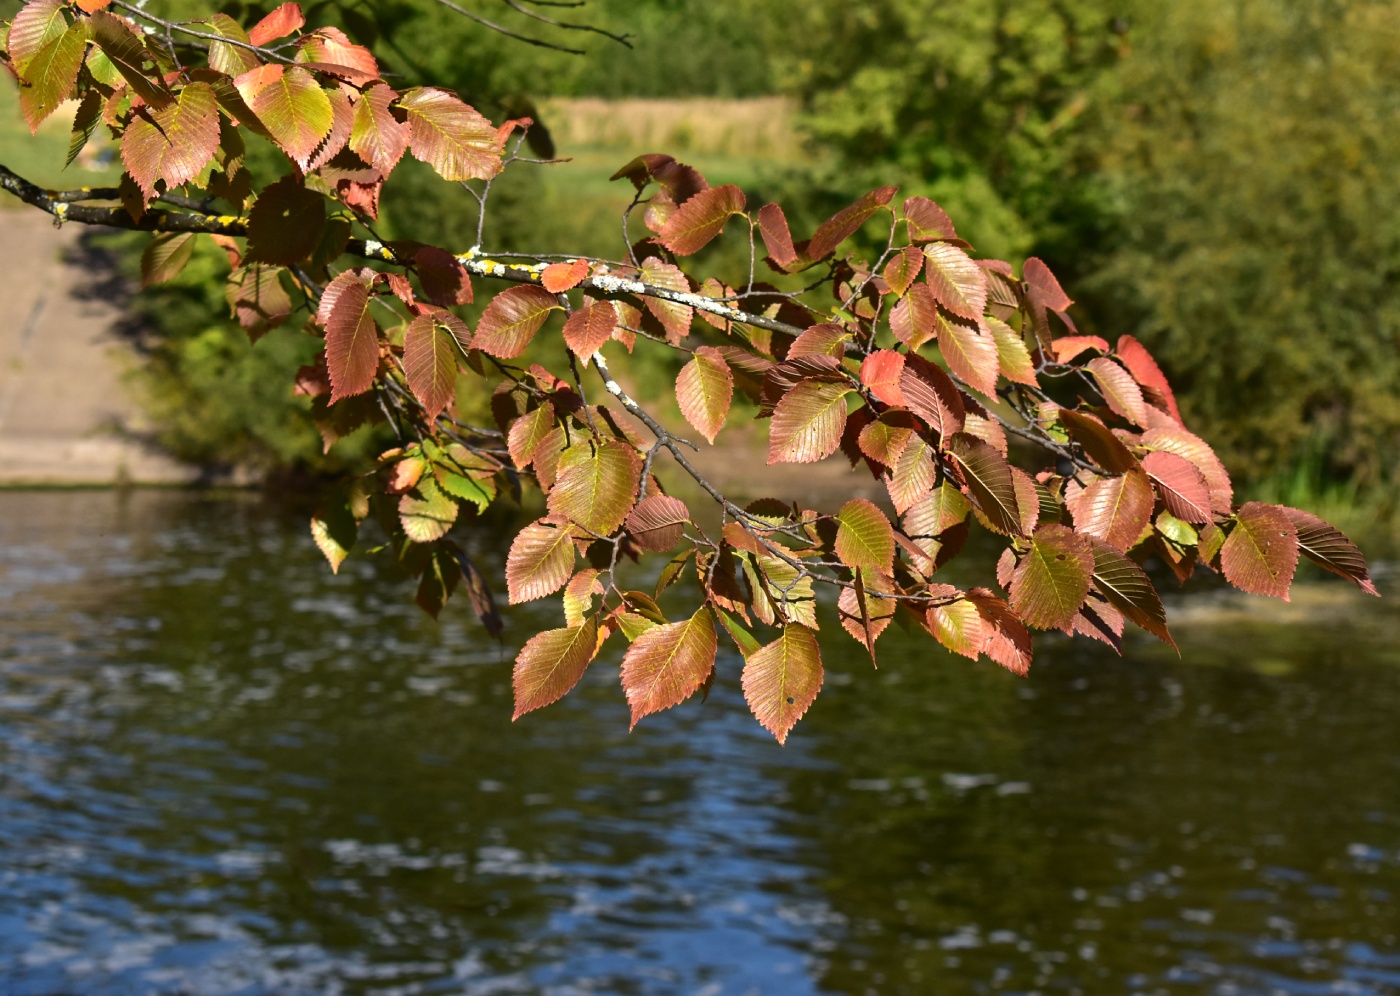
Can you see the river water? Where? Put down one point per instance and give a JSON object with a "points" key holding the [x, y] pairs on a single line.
{"points": [[224, 770]]}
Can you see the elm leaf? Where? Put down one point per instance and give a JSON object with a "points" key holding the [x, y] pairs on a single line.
{"points": [[352, 337], [295, 111], [970, 353], [1128, 589], [50, 73], [1261, 552], [700, 219], [990, 483], [378, 137], [179, 149], [1329, 548], [668, 663], [427, 513], [596, 485], [781, 680], [1119, 389], [1052, 580], [1183, 487], [705, 390], [956, 281], [450, 136], [540, 560], [165, 256], [807, 422], [511, 320], [587, 329], [1114, 509], [431, 344], [657, 523], [864, 537], [551, 664], [846, 222]]}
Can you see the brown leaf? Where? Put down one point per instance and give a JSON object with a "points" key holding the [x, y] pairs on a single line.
{"points": [[657, 523]]}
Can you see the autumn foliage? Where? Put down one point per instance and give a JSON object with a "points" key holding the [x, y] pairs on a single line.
{"points": [[961, 383]]}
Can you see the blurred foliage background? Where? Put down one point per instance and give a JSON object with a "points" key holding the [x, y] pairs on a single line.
{"points": [[1216, 177]]}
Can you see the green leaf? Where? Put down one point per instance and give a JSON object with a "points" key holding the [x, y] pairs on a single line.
{"points": [[1052, 580], [286, 223], [705, 390], [178, 150], [864, 537], [1127, 588], [431, 344], [428, 514], [1013, 359], [808, 422], [35, 26], [50, 73], [1261, 552], [846, 222], [511, 320], [352, 337], [700, 219], [540, 560], [165, 256], [232, 60], [1114, 509], [378, 137], [528, 432], [450, 136], [989, 483], [667, 664], [1328, 548], [958, 626], [335, 529], [438, 581], [597, 485], [295, 111], [782, 679], [551, 664]]}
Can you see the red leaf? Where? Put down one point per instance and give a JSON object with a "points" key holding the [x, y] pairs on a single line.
{"points": [[331, 47], [807, 422], [431, 344], [445, 280], [256, 297], [903, 268], [956, 281], [657, 523], [1114, 509], [588, 328], [1043, 288], [540, 560], [190, 127], [450, 136], [1118, 389], [970, 353], [913, 319], [781, 680], [863, 614], [1261, 552], [927, 221], [559, 277], [279, 24], [1329, 549], [1007, 641], [352, 337], [667, 664], [704, 391], [1144, 369], [1183, 488], [881, 371], [596, 485], [1068, 347], [551, 663], [773, 226], [700, 219], [511, 320], [883, 439], [931, 394], [1193, 448], [1128, 589], [378, 137], [826, 339], [846, 222], [675, 318], [1052, 580], [989, 482]]}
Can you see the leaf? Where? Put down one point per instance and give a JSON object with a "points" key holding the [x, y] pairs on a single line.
{"points": [[165, 256], [551, 664], [1013, 358], [704, 391], [674, 317], [903, 268], [597, 485], [846, 222], [1114, 509], [378, 137], [1099, 443], [352, 339], [824, 339], [1261, 552], [956, 281], [969, 353], [958, 626], [914, 318], [331, 47], [256, 297], [540, 560], [431, 344], [232, 60], [444, 279], [1328, 548], [1007, 641], [559, 277], [50, 74], [128, 54], [1183, 488], [36, 25], [1068, 347], [587, 329], [864, 537], [528, 432], [335, 529], [927, 221], [933, 515], [85, 121], [1193, 448], [777, 239], [863, 614], [286, 223], [191, 135], [279, 24], [881, 372], [989, 482], [450, 136], [511, 320], [931, 394], [428, 514], [667, 664], [295, 111], [1119, 389], [657, 523], [1127, 588], [884, 439], [912, 475], [700, 219], [1052, 580], [1043, 288], [1145, 371], [807, 422], [781, 680]]}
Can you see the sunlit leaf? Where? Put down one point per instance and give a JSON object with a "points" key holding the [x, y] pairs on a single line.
{"points": [[1013, 358], [956, 281], [1195, 449], [704, 391], [352, 338], [540, 560], [330, 46], [528, 432], [511, 320], [931, 394], [927, 221], [846, 222], [958, 626], [180, 147], [912, 475], [903, 268], [551, 663], [378, 137], [970, 353], [885, 438], [864, 537], [431, 345], [1114, 509], [1145, 371], [234, 60], [1052, 579], [427, 513], [589, 327], [1261, 552], [1006, 640], [596, 485], [1119, 389], [36, 24], [700, 219], [1043, 288], [559, 277], [335, 529], [1328, 548], [777, 239], [674, 317], [295, 111], [1183, 487], [807, 422], [450, 136], [863, 613], [668, 664], [881, 372], [913, 318], [50, 74], [283, 20], [781, 680]]}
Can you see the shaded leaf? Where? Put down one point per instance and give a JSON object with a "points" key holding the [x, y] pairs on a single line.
{"points": [[540, 560], [864, 537], [126, 52], [511, 320], [551, 664], [1043, 288], [352, 337], [450, 136], [445, 280], [431, 344], [1261, 552], [807, 422], [657, 523], [781, 680], [182, 145], [165, 256], [956, 281], [85, 121], [596, 485], [256, 297], [335, 529], [700, 219], [931, 394], [1114, 509], [667, 664], [989, 482], [1127, 588], [675, 318], [1183, 487], [1328, 548], [846, 222], [1099, 443], [427, 513], [777, 239], [286, 223]]}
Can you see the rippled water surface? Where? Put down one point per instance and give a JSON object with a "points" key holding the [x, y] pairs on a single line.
{"points": [[223, 770]]}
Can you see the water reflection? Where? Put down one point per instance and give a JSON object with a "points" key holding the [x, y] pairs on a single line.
{"points": [[223, 770]]}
